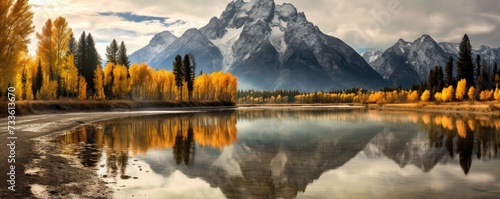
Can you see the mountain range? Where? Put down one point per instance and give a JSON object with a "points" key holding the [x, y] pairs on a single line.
{"points": [[267, 46], [406, 63]]}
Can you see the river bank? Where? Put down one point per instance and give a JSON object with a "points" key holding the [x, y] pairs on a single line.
{"points": [[66, 106], [470, 108], [476, 108]]}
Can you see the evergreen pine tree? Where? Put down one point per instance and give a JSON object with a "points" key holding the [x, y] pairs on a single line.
{"points": [[494, 74], [72, 45], [93, 60], [122, 55], [178, 74], [465, 68], [439, 78], [193, 63], [477, 70], [81, 54], [448, 80], [112, 52], [487, 84], [24, 79], [188, 74], [37, 85], [431, 82]]}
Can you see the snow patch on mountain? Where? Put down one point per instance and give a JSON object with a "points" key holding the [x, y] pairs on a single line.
{"points": [[277, 39], [248, 5], [371, 55], [225, 45]]}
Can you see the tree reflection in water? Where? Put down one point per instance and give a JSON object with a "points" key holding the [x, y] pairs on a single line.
{"points": [[120, 139], [184, 146]]}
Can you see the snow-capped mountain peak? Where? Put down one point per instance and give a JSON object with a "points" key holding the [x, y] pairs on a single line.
{"points": [[156, 45]]}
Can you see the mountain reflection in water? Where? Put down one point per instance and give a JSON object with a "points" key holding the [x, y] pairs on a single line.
{"points": [[278, 153]]}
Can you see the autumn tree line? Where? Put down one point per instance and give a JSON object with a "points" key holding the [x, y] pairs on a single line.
{"points": [[66, 68]]}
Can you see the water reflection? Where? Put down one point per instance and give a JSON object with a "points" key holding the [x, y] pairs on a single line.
{"points": [[278, 153]]}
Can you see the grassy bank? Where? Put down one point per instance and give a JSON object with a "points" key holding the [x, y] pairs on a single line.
{"points": [[293, 105], [480, 108], [65, 106]]}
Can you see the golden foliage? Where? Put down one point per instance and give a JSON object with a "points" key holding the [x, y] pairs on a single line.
{"points": [[99, 84], [447, 94], [413, 96], [461, 128], [426, 95], [496, 94], [165, 84], [82, 88], [461, 89], [121, 84], [48, 90], [438, 96], [486, 95], [472, 93], [218, 86], [45, 50], [61, 34], [16, 24]]}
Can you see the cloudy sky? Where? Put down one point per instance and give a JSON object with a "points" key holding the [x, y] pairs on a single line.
{"points": [[361, 24]]}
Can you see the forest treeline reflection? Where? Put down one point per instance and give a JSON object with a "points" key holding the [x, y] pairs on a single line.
{"points": [[119, 139]]}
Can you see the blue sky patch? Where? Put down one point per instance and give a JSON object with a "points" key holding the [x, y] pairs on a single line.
{"points": [[129, 16]]}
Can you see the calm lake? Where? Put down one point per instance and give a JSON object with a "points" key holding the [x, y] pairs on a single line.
{"points": [[294, 153]]}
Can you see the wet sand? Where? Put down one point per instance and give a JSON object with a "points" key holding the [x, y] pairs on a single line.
{"points": [[41, 170]]}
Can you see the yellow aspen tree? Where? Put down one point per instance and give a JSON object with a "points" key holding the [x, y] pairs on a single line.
{"points": [[426, 95], [438, 96], [16, 25], [71, 77], [472, 93], [99, 84], [27, 74], [61, 34], [23, 78], [486, 95], [49, 88], [121, 84], [447, 94], [108, 79], [82, 88], [170, 85], [496, 95], [461, 89], [165, 84], [140, 80], [45, 49], [413, 96]]}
